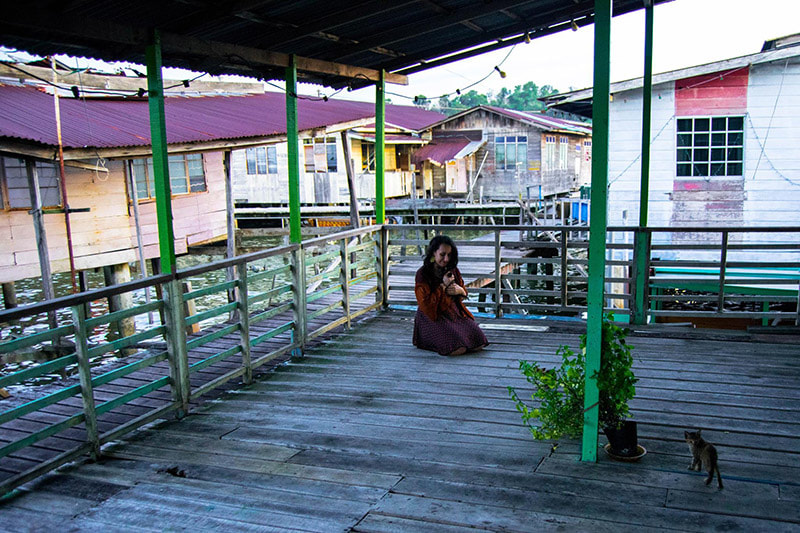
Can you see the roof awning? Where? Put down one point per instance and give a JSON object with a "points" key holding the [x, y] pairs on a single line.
{"points": [[440, 152]]}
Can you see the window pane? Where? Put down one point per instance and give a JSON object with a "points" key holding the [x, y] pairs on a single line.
{"points": [[308, 155], [272, 160], [701, 139], [685, 139], [700, 169], [718, 169], [684, 170], [718, 123], [500, 156], [151, 181], [735, 139], [511, 157], [735, 123], [197, 177], [261, 160], [522, 155], [701, 154], [718, 139], [177, 175], [684, 154], [16, 183], [734, 154], [499, 140], [331, 153], [522, 139], [684, 124], [718, 154], [251, 160], [734, 169], [48, 184], [701, 124]]}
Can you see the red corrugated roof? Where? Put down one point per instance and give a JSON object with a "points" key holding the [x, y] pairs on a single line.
{"points": [[28, 114], [440, 151]]}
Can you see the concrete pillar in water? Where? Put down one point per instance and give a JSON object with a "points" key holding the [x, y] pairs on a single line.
{"points": [[114, 275], [9, 295]]}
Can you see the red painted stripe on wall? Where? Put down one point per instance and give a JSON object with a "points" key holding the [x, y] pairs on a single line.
{"points": [[721, 93]]}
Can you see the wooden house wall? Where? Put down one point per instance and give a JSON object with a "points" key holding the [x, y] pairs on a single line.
{"points": [[105, 235], [767, 194], [501, 184]]}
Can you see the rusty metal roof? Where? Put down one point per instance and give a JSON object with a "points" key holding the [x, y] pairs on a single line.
{"points": [[402, 36], [441, 151], [533, 119], [28, 115]]}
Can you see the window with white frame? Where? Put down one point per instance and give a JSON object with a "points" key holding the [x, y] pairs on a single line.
{"points": [[710, 146], [14, 193], [320, 155], [511, 152], [549, 152], [262, 160], [563, 146], [186, 175]]}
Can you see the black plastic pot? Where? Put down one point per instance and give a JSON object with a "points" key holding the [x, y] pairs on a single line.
{"points": [[623, 440]]}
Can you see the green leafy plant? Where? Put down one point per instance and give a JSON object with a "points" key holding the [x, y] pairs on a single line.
{"points": [[559, 391]]}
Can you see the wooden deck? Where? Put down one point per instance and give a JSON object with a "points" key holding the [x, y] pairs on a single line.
{"points": [[367, 433]]}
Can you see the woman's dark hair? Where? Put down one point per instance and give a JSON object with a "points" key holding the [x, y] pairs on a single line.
{"points": [[428, 268]]}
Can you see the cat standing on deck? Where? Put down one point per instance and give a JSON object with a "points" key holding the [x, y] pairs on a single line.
{"points": [[703, 455]]}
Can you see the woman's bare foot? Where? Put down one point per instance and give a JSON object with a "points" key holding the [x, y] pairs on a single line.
{"points": [[458, 351]]}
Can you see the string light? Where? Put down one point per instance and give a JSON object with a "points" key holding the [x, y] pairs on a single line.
{"points": [[502, 73]]}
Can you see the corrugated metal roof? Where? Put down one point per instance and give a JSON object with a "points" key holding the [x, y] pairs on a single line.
{"points": [[28, 115], [440, 151], [543, 121]]}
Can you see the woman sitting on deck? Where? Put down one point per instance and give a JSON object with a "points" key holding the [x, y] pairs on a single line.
{"points": [[443, 324]]}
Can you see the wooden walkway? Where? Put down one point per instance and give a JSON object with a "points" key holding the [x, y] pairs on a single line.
{"points": [[367, 433]]}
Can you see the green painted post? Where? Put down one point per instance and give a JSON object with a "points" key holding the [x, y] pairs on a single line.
{"points": [[639, 314], [598, 224], [158, 136], [380, 155], [294, 151]]}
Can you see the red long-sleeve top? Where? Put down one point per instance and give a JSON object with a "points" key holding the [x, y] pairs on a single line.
{"points": [[435, 302]]}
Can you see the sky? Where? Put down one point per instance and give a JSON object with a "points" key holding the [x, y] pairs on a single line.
{"points": [[686, 33]]}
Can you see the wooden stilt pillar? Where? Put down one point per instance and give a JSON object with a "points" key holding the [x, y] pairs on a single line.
{"points": [[9, 295], [114, 275]]}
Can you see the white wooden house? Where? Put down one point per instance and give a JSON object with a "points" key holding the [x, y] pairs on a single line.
{"points": [[724, 141]]}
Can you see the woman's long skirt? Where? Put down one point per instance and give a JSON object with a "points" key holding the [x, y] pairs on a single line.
{"points": [[447, 334]]}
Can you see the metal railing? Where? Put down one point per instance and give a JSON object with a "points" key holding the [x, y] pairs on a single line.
{"points": [[236, 315], [749, 273]]}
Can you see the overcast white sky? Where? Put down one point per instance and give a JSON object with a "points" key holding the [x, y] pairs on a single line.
{"points": [[686, 33]]}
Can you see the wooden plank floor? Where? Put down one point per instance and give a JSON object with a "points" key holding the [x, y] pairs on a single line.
{"points": [[367, 433]]}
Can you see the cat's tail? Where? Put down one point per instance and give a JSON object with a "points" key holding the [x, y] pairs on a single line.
{"points": [[719, 477]]}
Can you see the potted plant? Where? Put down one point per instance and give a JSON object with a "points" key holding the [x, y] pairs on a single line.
{"points": [[559, 393]]}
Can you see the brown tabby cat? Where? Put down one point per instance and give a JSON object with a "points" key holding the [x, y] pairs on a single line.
{"points": [[703, 455]]}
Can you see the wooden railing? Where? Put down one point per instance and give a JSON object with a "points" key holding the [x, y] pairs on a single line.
{"points": [[250, 310], [519, 270]]}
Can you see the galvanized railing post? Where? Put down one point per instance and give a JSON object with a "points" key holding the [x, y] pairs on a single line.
{"points": [[299, 298], [723, 261], [85, 374], [344, 280], [244, 320], [498, 286], [176, 344]]}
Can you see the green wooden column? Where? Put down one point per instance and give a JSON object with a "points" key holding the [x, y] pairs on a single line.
{"points": [[158, 136], [294, 151], [598, 223], [639, 315], [380, 155]]}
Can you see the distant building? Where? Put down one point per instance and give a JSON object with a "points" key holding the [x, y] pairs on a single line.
{"points": [[723, 142], [261, 175], [505, 154]]}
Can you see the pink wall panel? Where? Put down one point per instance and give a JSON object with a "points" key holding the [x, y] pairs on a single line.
{"points": [[721, 93]]}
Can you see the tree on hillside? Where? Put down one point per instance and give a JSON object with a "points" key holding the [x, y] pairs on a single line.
{"points": [[523, 98]]}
